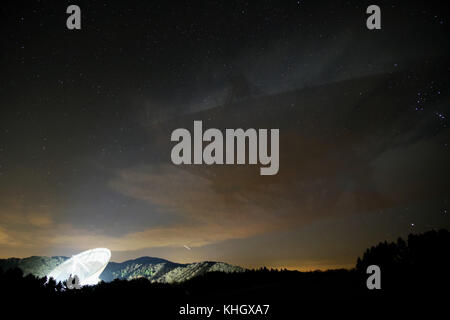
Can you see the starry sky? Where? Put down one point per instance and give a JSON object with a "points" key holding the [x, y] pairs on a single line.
{"points": [[86, 117]]}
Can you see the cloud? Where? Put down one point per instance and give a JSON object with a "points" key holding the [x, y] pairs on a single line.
{"points": [[233, 202], [204, 213], [41, 220], [334, 162], [5, 238], [338, 145]]}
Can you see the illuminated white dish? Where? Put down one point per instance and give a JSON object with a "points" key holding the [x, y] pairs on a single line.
{"points": [[87, 265]]}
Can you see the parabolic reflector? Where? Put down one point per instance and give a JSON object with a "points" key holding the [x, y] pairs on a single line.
{"points": [[87, 265]]}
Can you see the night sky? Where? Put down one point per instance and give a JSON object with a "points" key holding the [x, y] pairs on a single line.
{"points": [[86, 117]]}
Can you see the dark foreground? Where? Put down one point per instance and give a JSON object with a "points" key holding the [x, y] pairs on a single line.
{"points": [[414, 274]]}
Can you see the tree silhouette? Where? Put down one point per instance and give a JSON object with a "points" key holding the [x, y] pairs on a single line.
{"points": [[416, 267]]}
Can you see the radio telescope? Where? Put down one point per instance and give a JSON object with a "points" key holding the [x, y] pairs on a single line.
{"points": [[87, 265]]}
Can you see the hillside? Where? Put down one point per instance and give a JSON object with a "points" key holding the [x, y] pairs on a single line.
{"points": [[35, 265], [153, 269]]}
